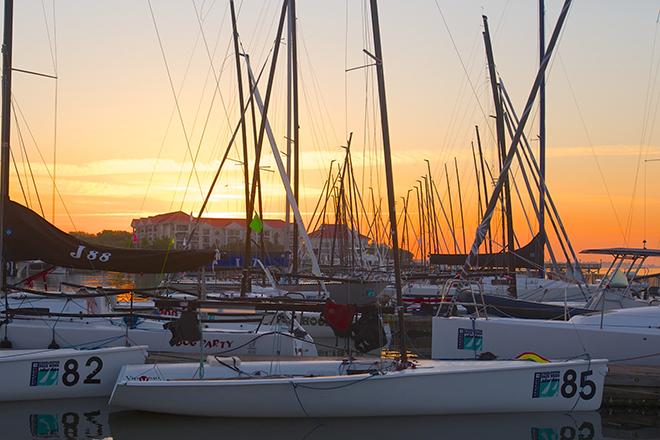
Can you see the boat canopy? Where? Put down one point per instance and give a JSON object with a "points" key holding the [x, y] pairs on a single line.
{"points": [[30, 237], [622, 251], [526, 257]]}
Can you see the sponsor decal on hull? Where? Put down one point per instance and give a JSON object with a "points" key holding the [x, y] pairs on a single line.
{"points": [[43, 374], [546, 384], [470, 339]]}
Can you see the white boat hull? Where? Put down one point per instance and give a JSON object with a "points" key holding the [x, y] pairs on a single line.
{"points": [[93, 333], [433, 388], [222, 338], [506, 338], [63, 373]]}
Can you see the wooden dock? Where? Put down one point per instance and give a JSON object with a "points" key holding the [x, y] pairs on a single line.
{"points": [[632, 386]]}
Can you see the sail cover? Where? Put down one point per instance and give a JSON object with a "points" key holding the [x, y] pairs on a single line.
{"points": [[29, 237], [526, 257]]}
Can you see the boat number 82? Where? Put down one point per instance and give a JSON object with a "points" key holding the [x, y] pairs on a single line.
{"points": [[586, 387], [71, 376]]}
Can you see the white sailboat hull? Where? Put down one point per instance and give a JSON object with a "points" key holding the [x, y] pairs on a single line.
{"points": [[433, 388], [93, 333], [63, 373], [222, 338], [630, 342]]}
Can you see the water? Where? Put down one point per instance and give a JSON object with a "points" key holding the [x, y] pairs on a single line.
{"points": [[91, 419]]}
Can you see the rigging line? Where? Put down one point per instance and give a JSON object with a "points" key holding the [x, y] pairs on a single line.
{"points": [[216, 92], [650, 85], [211, 56], [215, 150], [591, 146], [18, 175], [169, 124], [646, 135], [66, 210], [53, 55], [316, 87], [453, 122], [181, 169], [346, 24], [176, 100], [500, 21], [26, 160], [645, 120], [458, 54], [52, 46], [228, 149]]}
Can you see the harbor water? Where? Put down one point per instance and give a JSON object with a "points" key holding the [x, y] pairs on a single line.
{"points": [[91, 419]]}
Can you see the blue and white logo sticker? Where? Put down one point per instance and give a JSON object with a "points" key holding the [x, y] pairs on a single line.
{"points": [[45, 373], [546, 384], [470, 339]]}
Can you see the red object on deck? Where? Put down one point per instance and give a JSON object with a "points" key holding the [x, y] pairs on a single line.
{"points": [[339, 317]]}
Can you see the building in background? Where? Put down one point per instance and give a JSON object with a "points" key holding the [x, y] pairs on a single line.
{"points": [[212, 233], [340, 243]]}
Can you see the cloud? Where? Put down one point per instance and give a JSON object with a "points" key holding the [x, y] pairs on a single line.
{"points": [[601, 151]]}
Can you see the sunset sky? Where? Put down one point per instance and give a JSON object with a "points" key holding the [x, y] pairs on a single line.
{"points": [[122, 152]]}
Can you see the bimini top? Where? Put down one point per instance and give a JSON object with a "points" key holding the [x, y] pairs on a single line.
{"points": [[633, 252]]}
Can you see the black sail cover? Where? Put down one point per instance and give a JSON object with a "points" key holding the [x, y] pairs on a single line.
{"points": [[526, 257], [29, 237]]}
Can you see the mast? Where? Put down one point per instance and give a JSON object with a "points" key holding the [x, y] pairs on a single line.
{"points": [[247, 259], [436, 226], [541, 251], [296, 131], [241, 102], [451, 210], [488, 214], [420, 216], [476, 175], [489, 243], [287, 207], [460, 202], [5, 139], [389, 176], [501, 140]]}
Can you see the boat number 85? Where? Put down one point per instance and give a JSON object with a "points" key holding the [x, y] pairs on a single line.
{"points": [[71, 376], [587, 387]]}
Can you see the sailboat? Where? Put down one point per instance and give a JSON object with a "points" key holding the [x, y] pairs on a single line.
{"points": [[44, 374], [83, 319], [227, 387]]}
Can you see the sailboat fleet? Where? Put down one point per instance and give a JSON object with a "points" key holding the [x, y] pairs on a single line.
{"points": [[249, 352]]}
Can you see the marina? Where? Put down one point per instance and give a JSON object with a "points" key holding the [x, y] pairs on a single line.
{"points": [[421, 271]]}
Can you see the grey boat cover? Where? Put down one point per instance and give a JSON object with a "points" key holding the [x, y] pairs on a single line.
{"points": [[526, 257]]}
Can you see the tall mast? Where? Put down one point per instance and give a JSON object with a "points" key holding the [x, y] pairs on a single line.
{"points": [[501, 140], [5, 138], [296, 141], [460, 202], [389, 175], [541, 251], [451, 210], [241, 102], [287, 207], [489, 243], [247, 259], [488, 214]]}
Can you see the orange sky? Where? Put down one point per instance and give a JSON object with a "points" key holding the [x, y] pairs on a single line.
{"points": [[122, 153]]}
